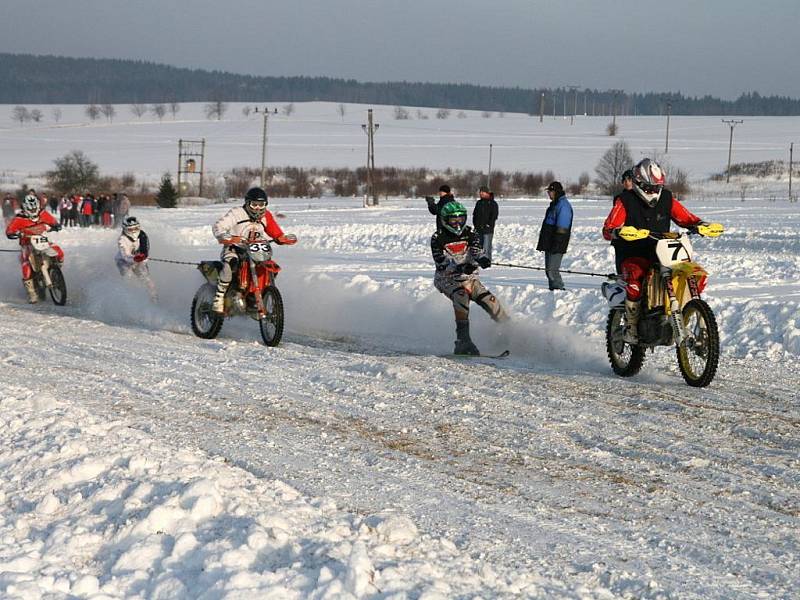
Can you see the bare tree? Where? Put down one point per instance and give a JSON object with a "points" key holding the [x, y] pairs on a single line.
{"points": [[246, 110], [21, 114], [401, 114], [486, 114], [461, 114], [36, 115], [288, 109], [442, 113], [159, 110], [421, 115], [174, 108], [57, 114], [108, 111], [138, 109], [342, 110], [612, 165], [93, 111], [73, 171], [611, 129], [215, 109]]}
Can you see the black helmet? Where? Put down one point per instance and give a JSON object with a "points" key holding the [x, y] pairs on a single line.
{"points": [[255, 202]]}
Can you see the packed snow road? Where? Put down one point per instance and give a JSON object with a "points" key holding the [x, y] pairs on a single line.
{"points": [[542, 463]]}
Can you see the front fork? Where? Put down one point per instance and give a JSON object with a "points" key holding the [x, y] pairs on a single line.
{"points": [[262, 312], [675, 314]]}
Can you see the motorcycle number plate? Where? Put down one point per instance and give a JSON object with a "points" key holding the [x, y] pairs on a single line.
{"points": [[40, 242], [259, 247], [671, 252]]}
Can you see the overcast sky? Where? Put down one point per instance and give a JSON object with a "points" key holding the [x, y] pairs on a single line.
{"points": [[698, 47]]}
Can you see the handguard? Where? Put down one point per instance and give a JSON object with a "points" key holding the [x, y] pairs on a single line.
{"points": [[629, 233], [710, 229]]}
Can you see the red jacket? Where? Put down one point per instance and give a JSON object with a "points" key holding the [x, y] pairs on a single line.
{"points": [[28, 227], [616, 218]]}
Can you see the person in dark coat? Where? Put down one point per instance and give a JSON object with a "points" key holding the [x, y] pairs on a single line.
{"points": [[435, 207], [554, 235], [484, 216], [627, 190]]}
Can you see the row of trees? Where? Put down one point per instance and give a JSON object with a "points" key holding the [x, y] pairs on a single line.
{"points": [[60, 80]]}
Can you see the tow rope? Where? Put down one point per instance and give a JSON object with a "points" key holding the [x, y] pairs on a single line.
{"points": [[606, 275]]}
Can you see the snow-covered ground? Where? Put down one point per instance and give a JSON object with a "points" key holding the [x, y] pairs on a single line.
{"points": [[315, 135], [355, 461]]}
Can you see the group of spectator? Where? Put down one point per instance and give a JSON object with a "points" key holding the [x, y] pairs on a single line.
{"points": [[75, 210]]}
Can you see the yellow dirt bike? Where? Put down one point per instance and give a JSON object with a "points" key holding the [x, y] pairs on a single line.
{"points": [[672, 311]]}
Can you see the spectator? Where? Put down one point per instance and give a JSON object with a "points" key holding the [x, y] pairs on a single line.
{"points": [[627, 191], [554, 235], [124, 207], [75, 210], [435, 208], [9, 207], [484, 216], [64, 209], [87, 210], [52, 202]]}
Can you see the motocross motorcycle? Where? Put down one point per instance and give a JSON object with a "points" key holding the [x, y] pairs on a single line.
{"points": [[47, 275], [252, 292], [672, 310]]}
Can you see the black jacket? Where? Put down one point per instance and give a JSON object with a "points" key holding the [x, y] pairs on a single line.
{"points": [[557, 227], [484, 215], [435, 207]]}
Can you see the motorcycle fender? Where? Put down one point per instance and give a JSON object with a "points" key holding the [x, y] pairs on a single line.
{"points": [[680, 282], [209, 271]]}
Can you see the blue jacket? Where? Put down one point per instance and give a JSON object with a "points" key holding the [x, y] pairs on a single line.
{"points": [[556, 228]]}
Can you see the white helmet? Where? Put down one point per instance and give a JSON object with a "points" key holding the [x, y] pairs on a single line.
{"points": [[648, 181], [131, 227], [30, 205]]}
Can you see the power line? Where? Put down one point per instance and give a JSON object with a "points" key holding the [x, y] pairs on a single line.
{"points": [[731, 123]]}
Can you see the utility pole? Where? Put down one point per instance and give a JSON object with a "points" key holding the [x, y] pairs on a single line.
{"points": [[264, 148], [489, 174], [574, 88], [370, 128], [541, 109], [669, 112], [730, 123], [791, 149]]}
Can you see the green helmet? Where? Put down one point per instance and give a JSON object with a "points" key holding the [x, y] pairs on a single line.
{"points": [[454, 217]]}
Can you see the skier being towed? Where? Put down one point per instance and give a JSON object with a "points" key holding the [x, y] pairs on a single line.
{"points": [[457, 253]]}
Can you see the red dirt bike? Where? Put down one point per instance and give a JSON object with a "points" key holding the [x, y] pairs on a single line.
{"points": [[252, 292], [673, 313], [47, 275]]}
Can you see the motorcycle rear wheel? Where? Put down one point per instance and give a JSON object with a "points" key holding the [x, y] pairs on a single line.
{"points": [[271, 324], [626, 360], [58, 289], [205, 322], [698, 357]]}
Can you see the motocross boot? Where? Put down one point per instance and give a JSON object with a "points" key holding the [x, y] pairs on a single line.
{"points": [[463, 343], [33, 297], [218, 306], [632, 312]]}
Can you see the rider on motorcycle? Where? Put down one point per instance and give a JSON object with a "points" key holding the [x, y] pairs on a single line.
{"points": [[31, 220], [651, 207], [250, 221]]}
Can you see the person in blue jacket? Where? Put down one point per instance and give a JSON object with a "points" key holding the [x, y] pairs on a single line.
{"points": [[554, 235]]}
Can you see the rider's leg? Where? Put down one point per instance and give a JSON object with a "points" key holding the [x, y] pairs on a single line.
{"points": [[634, 270], [488, 302], [459, 296], [229, 262], [27, 277]]}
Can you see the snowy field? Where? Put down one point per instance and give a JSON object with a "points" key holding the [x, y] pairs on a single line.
{"points": [[316, 136], [354, 461]]}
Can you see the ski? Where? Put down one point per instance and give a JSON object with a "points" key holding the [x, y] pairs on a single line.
{"points": [[503, 354]]}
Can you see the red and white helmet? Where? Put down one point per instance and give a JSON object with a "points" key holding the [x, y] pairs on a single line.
{"points": [[648, 181], [30, 205]]}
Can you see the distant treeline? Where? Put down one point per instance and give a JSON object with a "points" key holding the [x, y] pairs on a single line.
{"points": [[29, 79]]}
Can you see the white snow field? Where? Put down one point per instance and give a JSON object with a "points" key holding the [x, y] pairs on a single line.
{"points": [[316, 136], [355, 461]]}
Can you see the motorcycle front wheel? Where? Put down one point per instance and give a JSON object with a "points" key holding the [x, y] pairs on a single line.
{"points": [[205, 322], [271, 324], [698, 356], [626, 360], [58, 287]]}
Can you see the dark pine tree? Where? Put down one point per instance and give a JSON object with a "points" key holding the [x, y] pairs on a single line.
{"points": [[167, 194]]}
